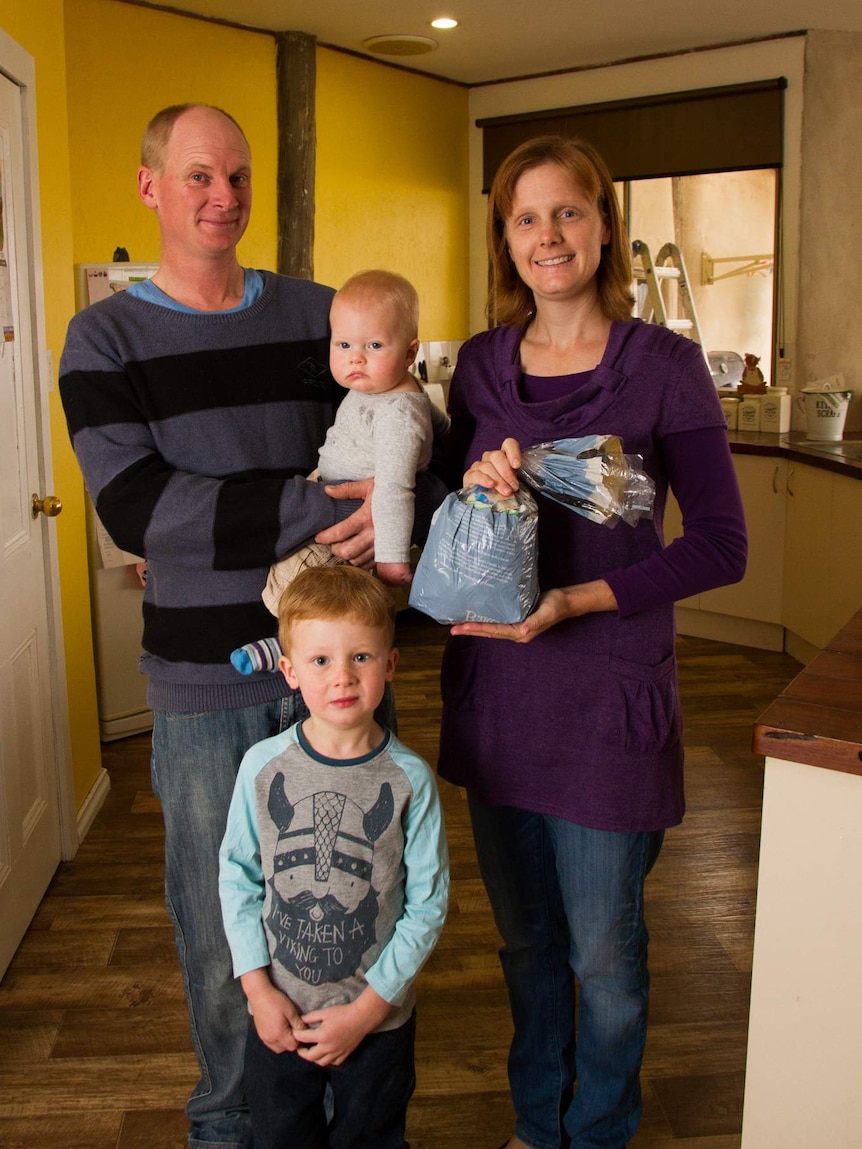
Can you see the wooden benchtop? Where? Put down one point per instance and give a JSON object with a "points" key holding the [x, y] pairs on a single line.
{"points": [[844, 456], [818, 718]]}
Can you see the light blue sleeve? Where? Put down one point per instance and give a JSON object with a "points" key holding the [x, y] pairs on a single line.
{"points": [[426, 888], [241, 882]]}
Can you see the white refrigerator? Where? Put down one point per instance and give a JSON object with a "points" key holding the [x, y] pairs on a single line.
{"points": [[116, 591]]}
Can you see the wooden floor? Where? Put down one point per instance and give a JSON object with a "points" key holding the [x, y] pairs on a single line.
{"points": [[94, 1050]]}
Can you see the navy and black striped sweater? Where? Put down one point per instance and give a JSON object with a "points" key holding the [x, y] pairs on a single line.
{"points": [[194, 432]]}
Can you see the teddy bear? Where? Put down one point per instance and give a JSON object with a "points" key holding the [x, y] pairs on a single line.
{"points": [[752, 382]]}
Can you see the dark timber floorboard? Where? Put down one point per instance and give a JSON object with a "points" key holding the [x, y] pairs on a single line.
{"points": [[94, 1048]]}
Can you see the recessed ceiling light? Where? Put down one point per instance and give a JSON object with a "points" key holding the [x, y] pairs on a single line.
{"points": [[444, 22], [399, 45]]}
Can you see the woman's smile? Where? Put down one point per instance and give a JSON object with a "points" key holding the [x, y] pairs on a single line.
{"points": [[554, 226]]}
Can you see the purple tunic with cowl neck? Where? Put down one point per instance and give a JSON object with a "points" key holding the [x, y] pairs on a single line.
{"points": [[584, 721]]}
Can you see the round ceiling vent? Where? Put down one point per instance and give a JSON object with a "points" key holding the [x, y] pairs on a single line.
{"points": [[399, 45]]}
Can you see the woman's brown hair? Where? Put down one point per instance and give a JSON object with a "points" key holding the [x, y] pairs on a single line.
{"points": [[509, 299]]}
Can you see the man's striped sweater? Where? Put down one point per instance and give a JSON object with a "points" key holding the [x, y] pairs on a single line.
{"points": [[194, 432]]}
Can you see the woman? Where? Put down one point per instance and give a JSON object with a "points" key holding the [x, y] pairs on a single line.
{"points": [[565, 729]]}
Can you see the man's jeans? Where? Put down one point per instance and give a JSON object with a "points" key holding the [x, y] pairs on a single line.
{"points": [[194, 766], [568, 899], [370, 1093]]}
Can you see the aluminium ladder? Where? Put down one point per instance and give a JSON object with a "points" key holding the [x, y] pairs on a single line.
{"points": [[655, 305]]}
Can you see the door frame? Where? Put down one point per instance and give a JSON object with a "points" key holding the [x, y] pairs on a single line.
{"points": [[18, 66]]}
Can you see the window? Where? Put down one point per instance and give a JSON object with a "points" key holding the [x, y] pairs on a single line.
{"points": [[724, 224]]}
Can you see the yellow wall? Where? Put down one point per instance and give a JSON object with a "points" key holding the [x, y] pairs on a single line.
{"points": [[392, 183], [123, 64], [391, 191], [38, 28]]}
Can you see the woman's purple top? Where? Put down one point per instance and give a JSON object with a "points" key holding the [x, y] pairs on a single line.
{"points": [[584, 722]]}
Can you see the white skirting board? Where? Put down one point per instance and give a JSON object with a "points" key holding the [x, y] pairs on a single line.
{"points": [[92, 804]]}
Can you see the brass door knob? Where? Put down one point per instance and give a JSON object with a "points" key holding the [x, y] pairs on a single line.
{"points": [[50, 506]]}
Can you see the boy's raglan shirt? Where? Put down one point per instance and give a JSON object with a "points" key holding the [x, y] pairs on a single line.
{"points": [[334, 873]]}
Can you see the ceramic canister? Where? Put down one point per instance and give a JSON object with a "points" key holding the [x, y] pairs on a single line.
{"points": [[730, 407], [749, 413], [775, 410]]}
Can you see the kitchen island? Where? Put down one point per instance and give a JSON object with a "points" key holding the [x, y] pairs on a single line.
{"points": [[805, 1027]]}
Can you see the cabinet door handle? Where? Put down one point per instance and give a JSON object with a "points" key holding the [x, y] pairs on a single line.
{"points": [[775, 480], [790, 474]]}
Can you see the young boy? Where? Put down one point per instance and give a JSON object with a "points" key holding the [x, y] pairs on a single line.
{"points": [[334, 882], [383, 429]]}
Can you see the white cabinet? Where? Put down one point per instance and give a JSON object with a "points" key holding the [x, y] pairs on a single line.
{"points": [[823, 552], [804, 572], [762, 481], [747, 612], [807, 956], [806, 553], [116, 601], [845, 579]]}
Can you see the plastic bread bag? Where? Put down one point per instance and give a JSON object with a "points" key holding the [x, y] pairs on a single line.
{"points": [[479, 561], [593, 476]]}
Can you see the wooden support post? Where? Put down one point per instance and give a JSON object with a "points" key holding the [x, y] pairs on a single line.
{"points": [[296, 74]]}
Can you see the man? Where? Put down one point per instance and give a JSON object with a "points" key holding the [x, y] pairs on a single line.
{"points": [[197, 403]]}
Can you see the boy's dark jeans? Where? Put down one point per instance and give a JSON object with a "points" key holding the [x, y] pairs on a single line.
{"points": [[370, 1093]]}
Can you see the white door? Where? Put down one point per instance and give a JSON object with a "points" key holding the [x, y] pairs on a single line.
{"points": [[29, 804]]}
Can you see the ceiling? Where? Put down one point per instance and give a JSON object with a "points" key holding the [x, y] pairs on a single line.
{"points": [[502, 39]]}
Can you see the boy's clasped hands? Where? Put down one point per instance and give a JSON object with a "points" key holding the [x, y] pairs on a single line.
{"points": [[324, 1036]]}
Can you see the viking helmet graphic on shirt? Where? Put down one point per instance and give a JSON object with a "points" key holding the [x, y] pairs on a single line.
{"points": [[326, 846]]}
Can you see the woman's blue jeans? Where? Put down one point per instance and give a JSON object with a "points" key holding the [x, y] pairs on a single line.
{"points": [[194, 766], [568, 903]]}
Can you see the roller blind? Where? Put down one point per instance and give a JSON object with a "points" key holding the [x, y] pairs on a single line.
{"points": [[731, 128]]}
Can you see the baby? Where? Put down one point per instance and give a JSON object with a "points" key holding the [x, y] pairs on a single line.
{"points": [[383, 429]]}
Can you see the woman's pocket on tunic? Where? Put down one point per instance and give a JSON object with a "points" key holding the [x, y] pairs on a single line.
{"points": [[649, 703]]}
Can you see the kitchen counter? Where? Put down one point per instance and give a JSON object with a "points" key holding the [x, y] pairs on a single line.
{"points": [[817, 720], [805, 996], [803, 505], [843, 456]]}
